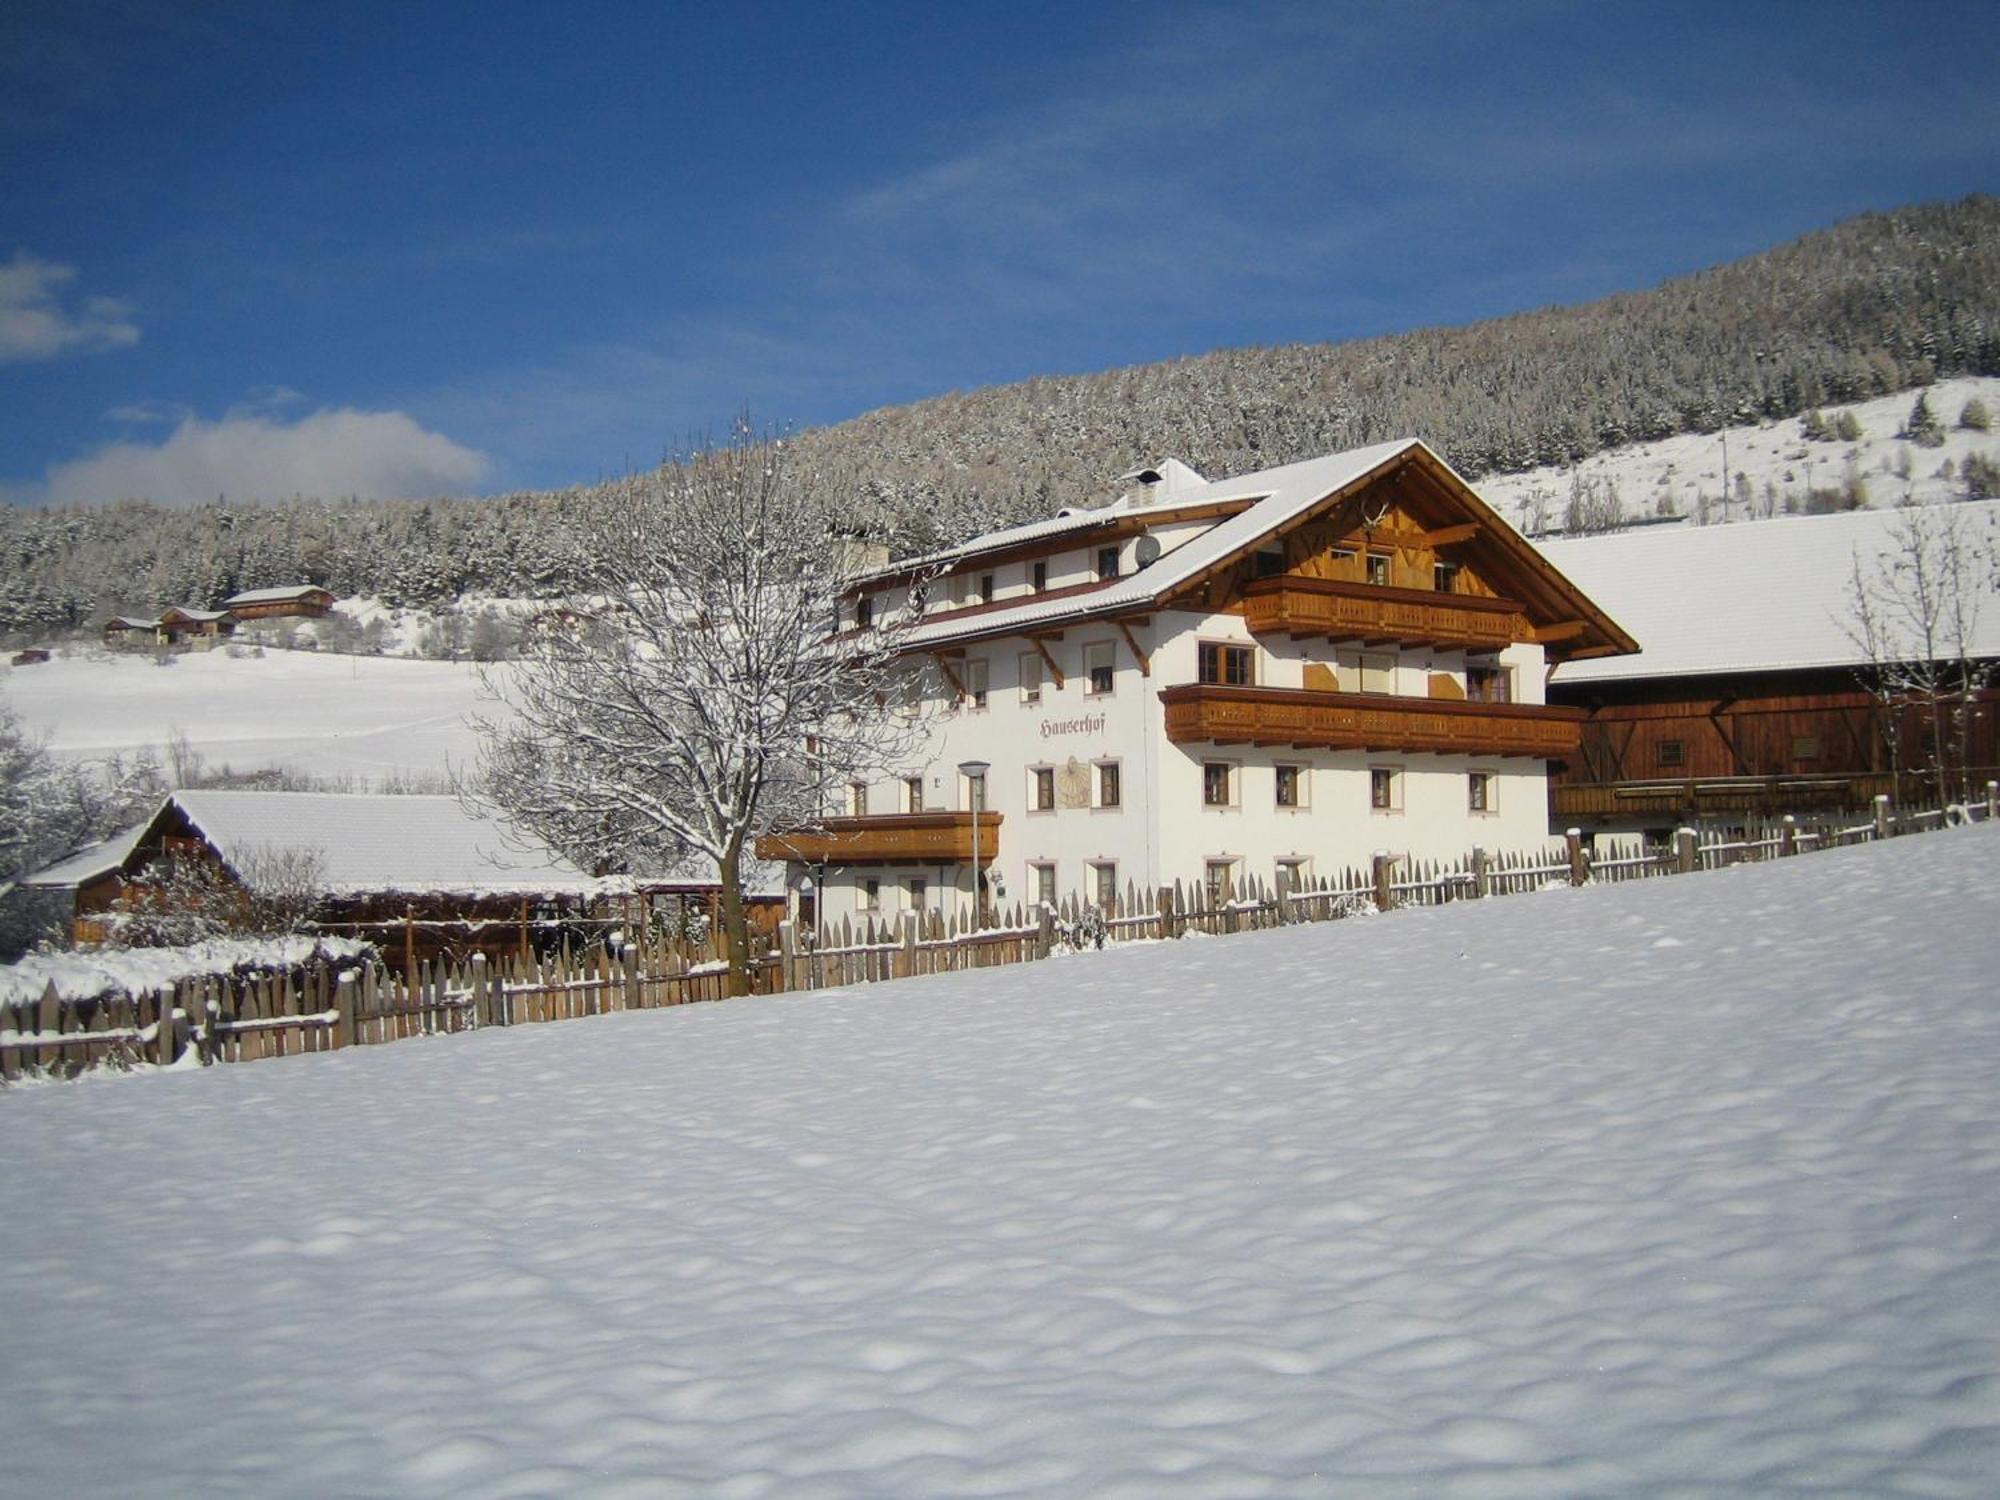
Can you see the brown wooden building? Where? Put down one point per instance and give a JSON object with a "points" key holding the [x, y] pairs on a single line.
{"points": [[300, 601], [1752, 695]]}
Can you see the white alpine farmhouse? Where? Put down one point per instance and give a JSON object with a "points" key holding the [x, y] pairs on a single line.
{"points": [[1266, 676]]}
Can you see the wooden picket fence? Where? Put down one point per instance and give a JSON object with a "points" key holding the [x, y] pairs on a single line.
{"points": [[245, 1017]]}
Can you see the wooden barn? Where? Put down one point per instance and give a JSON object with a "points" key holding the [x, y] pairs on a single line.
{"points": [[307, 601], [180, 624], [420, 874], [132, 631], [1753, 694]]}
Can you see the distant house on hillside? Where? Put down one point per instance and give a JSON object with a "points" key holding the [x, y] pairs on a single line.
{"points": [[302, 600], [180, 624], [131, 630], [1751, 695]]}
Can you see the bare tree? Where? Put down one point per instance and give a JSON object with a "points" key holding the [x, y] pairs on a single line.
{"points": [[698, 694], [1914, 612]]}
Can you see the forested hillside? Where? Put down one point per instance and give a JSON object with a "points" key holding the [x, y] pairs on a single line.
{"points": [[1876, 304]]}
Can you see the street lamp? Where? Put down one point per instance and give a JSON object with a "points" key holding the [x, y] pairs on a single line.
{"points": [[974, 772]]}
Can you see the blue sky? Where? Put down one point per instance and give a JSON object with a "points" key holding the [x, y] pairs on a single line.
{"points": [[266, 249]]}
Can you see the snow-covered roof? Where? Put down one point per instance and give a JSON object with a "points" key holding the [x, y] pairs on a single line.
{"points": [[1277, 495], [182, 612], [130, 622], [1273, 498], [1753, 596], [273, 596], [372, 844], [89, 863]]}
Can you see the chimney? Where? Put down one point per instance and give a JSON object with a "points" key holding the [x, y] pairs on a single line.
{"points": [[1167, 484], [855, 554]]}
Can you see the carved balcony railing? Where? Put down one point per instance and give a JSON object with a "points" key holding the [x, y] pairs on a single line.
{"points": [[1346, 611], [1200, 713], [923, 838]]}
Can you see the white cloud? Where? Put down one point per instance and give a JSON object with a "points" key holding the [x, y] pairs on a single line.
{"points": [[381, 455], [35, 323]]}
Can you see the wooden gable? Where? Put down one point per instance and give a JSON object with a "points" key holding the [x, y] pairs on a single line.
{"points": [[1385, 538]]}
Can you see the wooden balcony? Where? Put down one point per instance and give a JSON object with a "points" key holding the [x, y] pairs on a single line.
{"points": [[1200, 713], [925, 838], [1375, 615]]}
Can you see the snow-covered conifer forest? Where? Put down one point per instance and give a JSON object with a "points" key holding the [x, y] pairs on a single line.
{"points": [[1878, 304]]}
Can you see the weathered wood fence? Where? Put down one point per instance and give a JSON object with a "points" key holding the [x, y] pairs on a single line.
{"points": [[240, 1018]]}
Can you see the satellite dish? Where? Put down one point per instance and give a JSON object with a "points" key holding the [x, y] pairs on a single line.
{"points": [[1147, 551]]}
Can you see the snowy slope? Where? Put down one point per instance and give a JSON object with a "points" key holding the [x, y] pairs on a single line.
{"points": [[1687, 1187], [1684, 471], [358, 716]]}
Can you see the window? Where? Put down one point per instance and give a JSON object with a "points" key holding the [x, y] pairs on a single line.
{"points": [[975, 683], [1107, 563], [1385, 788], [1444, 578], [1378, 568], [1039, 576], [1042, 881], [975, 793], [1292, 876], [1109, 790], [1215, 784], [1100, 666], [857, 799], [1042, 789], [1805, 747], [918, 892], [1672, 752], [913, 794], [1221, 880], [1479, 789], [1269, 561], [1377, 673], [1489, 684], [1291, 788], [1219, 663], [1031, 678], [871, 895], [985, 588], [864, 612], [1104, 885]]}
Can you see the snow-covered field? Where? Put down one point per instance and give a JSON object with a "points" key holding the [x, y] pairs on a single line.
{"points": [[1686, 469], [356, 716], [1689, 1187]]}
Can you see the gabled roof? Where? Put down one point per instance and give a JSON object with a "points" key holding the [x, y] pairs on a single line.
{"points": [[199, 616], [130, 622], [1068, 520], [1275, 500], [1753, 596], [90, 863], [371, 844], [274, 596]]}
